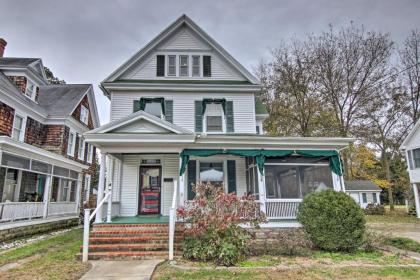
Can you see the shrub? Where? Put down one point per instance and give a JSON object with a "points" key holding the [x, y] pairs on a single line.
{"points": [[281, 241], [374, 209], [214, 218], [332, 220], [372, 241]]}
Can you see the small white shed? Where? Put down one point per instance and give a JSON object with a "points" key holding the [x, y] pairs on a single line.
{"points": [[363, 192]]}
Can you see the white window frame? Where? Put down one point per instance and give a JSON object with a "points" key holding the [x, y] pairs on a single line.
{"points": [[88, 180], [199, 66], [22, 129], [213, 160], [70, 151], [28, 94], [188, 65], [175, 65], [90, 153], [223, 122], [84, 114], [82, 155]]}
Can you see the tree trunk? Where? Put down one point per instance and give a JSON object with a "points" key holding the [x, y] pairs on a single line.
{"points": [[388, 178]]}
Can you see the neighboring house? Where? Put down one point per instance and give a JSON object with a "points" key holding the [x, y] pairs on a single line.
{"points": [[364, 192], [184, 110], [45, 162], [411, 148]]}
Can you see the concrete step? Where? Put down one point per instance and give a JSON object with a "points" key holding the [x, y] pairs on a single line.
{"points": [[154, 239], [128, 255], [130, 247]]}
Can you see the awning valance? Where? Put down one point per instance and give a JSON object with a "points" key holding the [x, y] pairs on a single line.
{"points": [[145, 100], [260, 156], [216, 101]]}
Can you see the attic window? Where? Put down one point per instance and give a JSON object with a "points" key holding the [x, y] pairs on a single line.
{"points": [[206, 66], [84, 115], [183, 65], [30, 91]]}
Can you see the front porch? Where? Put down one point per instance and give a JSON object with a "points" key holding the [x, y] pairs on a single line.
{"points": [[143, 185]]}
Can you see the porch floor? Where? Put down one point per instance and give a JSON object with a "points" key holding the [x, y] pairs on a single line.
{"points": [[147, 219]]}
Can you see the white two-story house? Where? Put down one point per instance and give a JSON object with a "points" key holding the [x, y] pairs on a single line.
{"points": [[184, 110]]}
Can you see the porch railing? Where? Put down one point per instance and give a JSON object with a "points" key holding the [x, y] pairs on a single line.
{"points": [[11, 211], [172, 220], [282, 208], [62, 208], [86, 224]]}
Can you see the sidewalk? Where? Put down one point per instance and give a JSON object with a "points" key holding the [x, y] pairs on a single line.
{"points": [[124, 270]]}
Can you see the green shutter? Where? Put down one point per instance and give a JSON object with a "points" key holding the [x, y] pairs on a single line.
{"points": [[169, 110], [192, 172], [206, 66], [230, 126], [160, 65], [136, 106], [231, 176], [198, 116]]}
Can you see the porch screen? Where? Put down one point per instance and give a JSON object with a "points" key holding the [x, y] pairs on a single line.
{"points": [[261, 154]]}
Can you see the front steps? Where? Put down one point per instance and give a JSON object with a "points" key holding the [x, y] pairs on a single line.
{"points": [[132, 241]]}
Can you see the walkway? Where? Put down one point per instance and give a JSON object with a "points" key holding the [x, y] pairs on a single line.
{"points": [[409, 230], [124, 270]]}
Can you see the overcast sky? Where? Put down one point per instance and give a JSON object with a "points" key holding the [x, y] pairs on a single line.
{"points": [[84, 41]]}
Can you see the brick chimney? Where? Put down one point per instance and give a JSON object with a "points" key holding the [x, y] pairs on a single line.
{"points": [[3, 44]]}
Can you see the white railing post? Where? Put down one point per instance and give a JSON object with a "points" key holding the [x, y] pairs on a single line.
{"points": [[46, 198], [172, 219], [78, 188], [86, 235], [101, 186], [181, 185], [109, 206]]}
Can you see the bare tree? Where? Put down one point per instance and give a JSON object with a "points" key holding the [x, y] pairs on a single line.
{"points": [[410, 62], [290, 91], [385, 124]]}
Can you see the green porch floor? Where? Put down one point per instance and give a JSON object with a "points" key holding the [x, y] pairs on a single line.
{"points": [[147, 219]]}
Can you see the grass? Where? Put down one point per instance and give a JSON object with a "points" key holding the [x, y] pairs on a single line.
{"points": [[404, 244], [52, 258], [165, 271], [399, 215]]}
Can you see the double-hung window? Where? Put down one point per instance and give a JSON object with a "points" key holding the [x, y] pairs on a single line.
{"points": [[90, 153], [416, 158], [364, 197], [18, 132], [195, 66], [84, 115], [172, 65], [212, 172], [183, 65], [214, 118], [81, 149], [71, 143], [154, 108]]}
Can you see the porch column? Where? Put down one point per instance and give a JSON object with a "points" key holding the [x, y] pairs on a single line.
{"points": [[78, 189], [101, 186], [110, 187], [46, 196], [416, 200], [261, 191], [181, 185]]}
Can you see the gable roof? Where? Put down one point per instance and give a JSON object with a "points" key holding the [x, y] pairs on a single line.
{"points": [[171, 29], [61, 100], [34, 64], [361, 185], [140, 115]]}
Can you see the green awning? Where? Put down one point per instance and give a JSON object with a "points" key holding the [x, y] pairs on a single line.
{"points": [[145, 100], [215, 101], [260, 156]]}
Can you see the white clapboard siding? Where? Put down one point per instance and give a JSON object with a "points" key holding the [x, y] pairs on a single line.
{"points": [[129, 185], [183, 106], [184, 39], [184, 42]]}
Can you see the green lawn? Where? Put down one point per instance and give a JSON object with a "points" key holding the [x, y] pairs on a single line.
{"points": [[52, 258], [166, 272], [404, 244]]}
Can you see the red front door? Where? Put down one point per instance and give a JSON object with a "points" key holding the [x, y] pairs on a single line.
{"points": [[150, 185]]}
